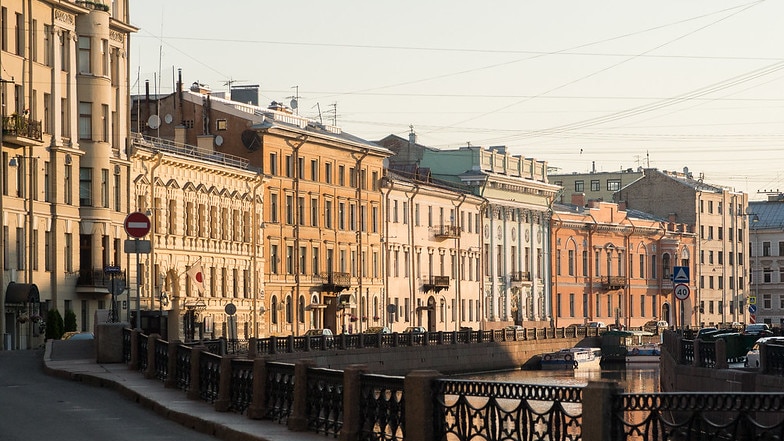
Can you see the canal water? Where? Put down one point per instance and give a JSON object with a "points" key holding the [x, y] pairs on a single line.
{"points": [[638, 378]]}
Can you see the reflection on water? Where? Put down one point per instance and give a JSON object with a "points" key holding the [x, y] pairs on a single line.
{"points": [[639, 378]]}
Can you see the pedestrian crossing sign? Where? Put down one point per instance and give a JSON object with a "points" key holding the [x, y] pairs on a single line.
{"points": [[680, 274]]}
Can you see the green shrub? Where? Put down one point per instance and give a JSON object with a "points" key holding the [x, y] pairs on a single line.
{"points": [[54, 325], [70, 321]]}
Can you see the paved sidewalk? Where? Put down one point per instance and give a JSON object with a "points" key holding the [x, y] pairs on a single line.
{"points": [[75, 360]]}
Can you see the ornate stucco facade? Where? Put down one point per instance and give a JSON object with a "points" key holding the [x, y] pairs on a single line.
{"points": [[433, 258], [64, 157], [613, 265]]}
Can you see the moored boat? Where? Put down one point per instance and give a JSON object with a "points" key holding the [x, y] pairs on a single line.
{"points": [[570, 358], [650, 353]]}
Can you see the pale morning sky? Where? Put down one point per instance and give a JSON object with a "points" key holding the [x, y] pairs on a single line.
{"points": [[618, 84]]}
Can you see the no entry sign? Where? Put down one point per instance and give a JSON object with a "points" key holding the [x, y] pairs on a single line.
{"points": [[137, 224]]}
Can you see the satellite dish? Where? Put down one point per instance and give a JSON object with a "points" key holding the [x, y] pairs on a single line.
{"points": [[251, 140], [154, 121], [294, 103], [168, 118], [219, 140]]}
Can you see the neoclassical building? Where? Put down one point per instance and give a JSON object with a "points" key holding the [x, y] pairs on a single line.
{"points": [[718, 214], [65, 100], [205, 209], [613, 265], [322, 222], [432, 242], [515, 221]]}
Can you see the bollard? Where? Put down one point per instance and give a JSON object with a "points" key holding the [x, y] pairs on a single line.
{"points": [[598, 410], [298, 420], [418, 393], [352, 396]]}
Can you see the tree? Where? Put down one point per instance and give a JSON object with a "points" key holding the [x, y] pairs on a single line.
{"points": [[70, 321], [54, 324]]}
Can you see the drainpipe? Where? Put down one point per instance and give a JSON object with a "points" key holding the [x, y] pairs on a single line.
{"points": [[410, 240], [158, 158], [254, 257], [385, 234], [554, 241], [458, 320], [627, 276], [358, 172]]}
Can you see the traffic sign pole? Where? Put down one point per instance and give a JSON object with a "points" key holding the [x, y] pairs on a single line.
{"points": [[137, 225]]}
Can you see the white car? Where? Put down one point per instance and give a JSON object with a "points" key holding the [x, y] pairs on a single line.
{"points": [[753, 356]]}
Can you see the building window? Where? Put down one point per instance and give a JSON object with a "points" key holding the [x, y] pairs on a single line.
{"points": [[273, 165], [273, 208], [579, 185], [613, 184], [273, 264], [328, 214], [83, 56], [314, 170], [595, 185], [85, 120], [105, 188], [328, 173], [85, 187]]}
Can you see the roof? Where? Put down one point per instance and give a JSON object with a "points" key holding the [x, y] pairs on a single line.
{"points": [[770, 214], [688, 180]]}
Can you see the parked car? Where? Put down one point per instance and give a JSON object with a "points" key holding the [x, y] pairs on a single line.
{"points": [[599, 325], [761, 329], [753, 357], [415, 330], [71, 335], [655, 326], [513, 328], [417, 333], [323, 334], [706, 331]]}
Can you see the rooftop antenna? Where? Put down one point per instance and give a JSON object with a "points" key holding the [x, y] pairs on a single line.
{"points": [[294, 103], [230, 82], [321, 121]]}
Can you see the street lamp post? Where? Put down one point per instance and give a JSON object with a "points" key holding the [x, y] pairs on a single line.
{"points": [[755, 279]]}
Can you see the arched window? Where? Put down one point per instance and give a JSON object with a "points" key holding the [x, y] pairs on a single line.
{"points": [[301, 309], [666, 266], [289, 310], [274, 309]]}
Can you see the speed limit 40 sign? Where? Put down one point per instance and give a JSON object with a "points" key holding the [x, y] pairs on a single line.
{"points": [[682, 291]]}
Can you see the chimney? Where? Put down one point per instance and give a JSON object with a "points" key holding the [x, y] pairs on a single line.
{"points": [[622, 206], [578, 199], [412, 136]]}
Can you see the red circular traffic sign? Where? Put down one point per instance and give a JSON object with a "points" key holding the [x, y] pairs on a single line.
{"points": [[682, 291], [137, 224]]}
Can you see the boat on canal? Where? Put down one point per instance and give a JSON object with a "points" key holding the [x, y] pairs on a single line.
{"points": [[571, 358]]}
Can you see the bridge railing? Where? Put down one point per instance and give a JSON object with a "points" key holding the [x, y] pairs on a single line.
{"points": [[353, 404]]}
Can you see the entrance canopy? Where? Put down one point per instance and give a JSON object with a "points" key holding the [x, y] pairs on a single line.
{"points": [[21, 293]]}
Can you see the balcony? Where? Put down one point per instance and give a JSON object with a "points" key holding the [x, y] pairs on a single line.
{"points": [[447, 232], [613, 282], [100, 282], [21, 130], [436, 284], [336, 282], [516, 278]]}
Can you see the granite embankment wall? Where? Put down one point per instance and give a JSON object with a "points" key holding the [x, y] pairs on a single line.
{"points": [[679, 377], [445, 358]]}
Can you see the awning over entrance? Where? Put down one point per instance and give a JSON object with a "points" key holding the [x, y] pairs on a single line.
{"points": [[21, 293]]}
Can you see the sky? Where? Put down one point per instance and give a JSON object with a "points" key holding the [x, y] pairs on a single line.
{"points": [[583, 85]]}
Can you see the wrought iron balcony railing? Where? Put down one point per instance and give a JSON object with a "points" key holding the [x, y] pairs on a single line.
{"points": [[447, 232], [436, 283], [23, 127], [614, 282], [520, 276], [336, 282]]}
